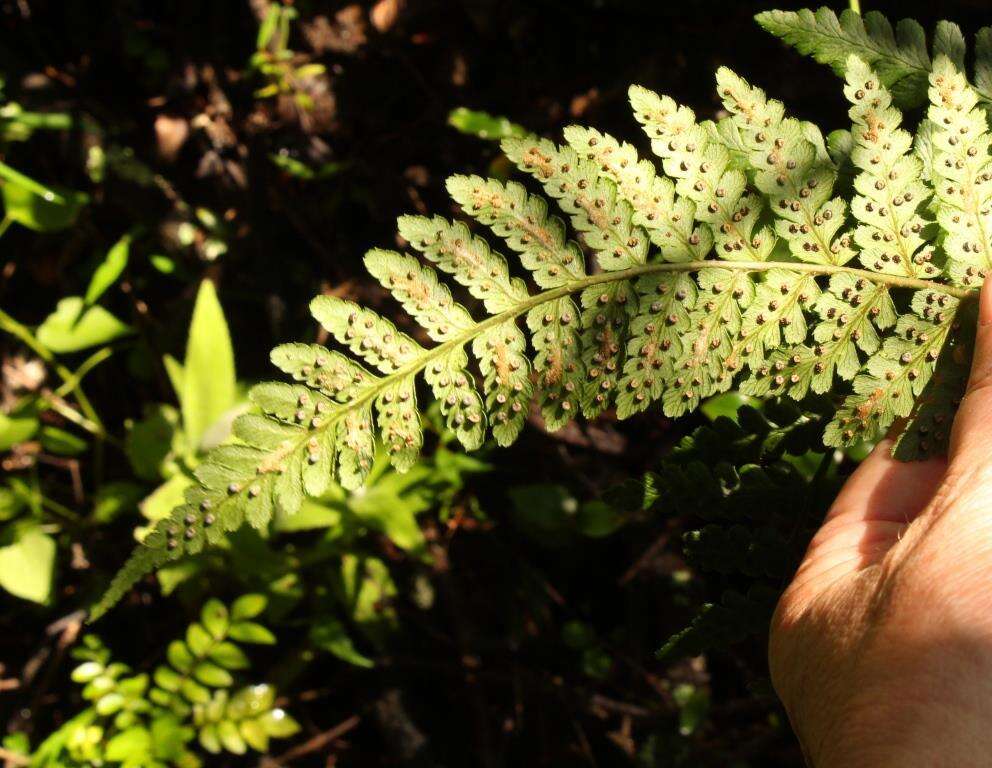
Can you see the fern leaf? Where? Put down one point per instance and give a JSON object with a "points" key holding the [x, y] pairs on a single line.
{"points": [[523, 220], [661, 318], [656, 339], [714, 325], [890, 190], [897, 374], [850, 312], [365, 333], [668, 219], [776, 316], [704, 174], [606, 314], [962, 173], [604, 220], [417, 289], [788, 168], [468, 258], [561, 373], [899, 56]]}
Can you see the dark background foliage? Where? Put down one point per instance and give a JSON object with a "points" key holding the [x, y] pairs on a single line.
{"points": [[484, 677]]}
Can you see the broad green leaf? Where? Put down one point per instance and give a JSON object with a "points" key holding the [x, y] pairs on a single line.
{"points": [[73, 327], [208, 384], [15, 430], [109, 270], [174, 370], [38, 208], [160, 502], [367, 592], [27, 563]]}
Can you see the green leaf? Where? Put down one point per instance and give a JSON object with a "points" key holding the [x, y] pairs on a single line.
{"points": [[899, 56], [254, 733], [180, 656], [159, 503], [109, 270], [208, 386], [27, 562], [194, 692], [15, 430], [230, 737], [214, 617], [367, 589], [60, 442], [162, 263], [73, 327], [483, 125], [279, 725], [229, 656], [87, 672], [168, 679], [250, 632], [36, 207], [109, 704], [152, 442], [209, 739], [132, 746], [248, 607], [199, 640], [329, 635], [115, 498], [212, 675]]}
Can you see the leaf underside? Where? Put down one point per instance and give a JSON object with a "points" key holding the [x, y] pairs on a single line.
{"points": [[737, 259]]}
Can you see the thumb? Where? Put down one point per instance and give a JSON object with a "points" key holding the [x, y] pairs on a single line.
{"points": [[972, 430]]}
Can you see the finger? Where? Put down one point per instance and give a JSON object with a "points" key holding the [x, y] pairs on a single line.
{"points": [[973, 424]]}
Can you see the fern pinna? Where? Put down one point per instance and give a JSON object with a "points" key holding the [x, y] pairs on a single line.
{"points": [[757, 254]]}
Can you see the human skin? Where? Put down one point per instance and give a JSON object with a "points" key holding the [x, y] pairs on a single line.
{"points": [[881, 648]]}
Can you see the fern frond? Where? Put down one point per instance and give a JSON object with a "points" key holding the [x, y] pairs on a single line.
{"points": [[688, 294], [899, 56]]}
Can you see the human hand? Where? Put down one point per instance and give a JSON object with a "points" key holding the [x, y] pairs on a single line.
{"points": [[881, 648]]}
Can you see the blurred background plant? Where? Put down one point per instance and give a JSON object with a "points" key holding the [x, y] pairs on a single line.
{"points": [[177, 181]]}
